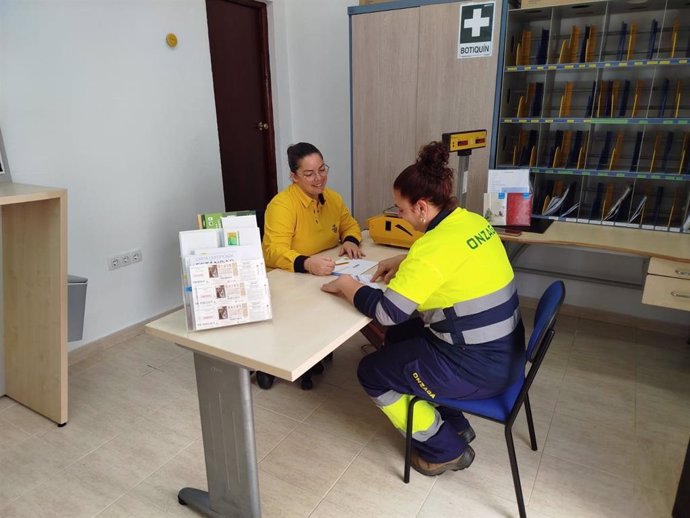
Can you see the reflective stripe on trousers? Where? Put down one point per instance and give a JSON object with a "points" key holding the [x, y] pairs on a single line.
{"points": [[425, 422]]}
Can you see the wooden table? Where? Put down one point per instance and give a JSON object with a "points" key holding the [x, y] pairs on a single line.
{"points": [[34, 256], [667, 282], [307, 325]]}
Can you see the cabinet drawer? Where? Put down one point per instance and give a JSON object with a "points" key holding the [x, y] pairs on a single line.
{"points": [[667, 292], [669, 268]]}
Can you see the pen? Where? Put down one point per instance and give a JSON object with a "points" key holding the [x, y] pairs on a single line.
{"points": [[341, 263]]}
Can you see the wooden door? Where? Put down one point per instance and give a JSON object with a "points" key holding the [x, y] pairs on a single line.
{"points": [[238, 41]]}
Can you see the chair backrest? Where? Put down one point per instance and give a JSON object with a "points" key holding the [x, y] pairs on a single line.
{"points": [[540, 339], [545, 317]]}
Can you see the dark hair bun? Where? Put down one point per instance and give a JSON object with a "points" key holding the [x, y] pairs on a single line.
{"points": [[432, 160]]}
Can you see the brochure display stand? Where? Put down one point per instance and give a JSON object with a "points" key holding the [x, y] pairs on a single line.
{"points": [[223, 275]]}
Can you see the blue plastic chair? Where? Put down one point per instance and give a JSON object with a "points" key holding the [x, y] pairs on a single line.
{"points": [[504, 408]]}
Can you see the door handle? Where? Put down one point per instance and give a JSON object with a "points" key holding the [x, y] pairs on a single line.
{"points": [[262, 126]]}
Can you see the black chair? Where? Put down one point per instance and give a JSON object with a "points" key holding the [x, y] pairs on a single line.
{"points": [[504, 408]]}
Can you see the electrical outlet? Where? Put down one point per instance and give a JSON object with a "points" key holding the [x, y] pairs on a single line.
{"points": [[124, 259], [136, 256], [114, 262]]}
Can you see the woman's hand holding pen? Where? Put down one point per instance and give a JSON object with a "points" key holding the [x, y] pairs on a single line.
{"points": [[387, 268], [351, 250], [319, 265]]}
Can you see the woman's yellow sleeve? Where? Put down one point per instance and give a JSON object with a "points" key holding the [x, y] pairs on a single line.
{"points": [[279, 232]]}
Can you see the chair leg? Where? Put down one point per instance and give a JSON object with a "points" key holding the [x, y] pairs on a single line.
{"points": [[408, 440], [516, 473], [530, 424]]}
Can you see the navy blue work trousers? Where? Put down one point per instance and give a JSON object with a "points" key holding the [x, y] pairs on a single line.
{"points": [[407, 351]]}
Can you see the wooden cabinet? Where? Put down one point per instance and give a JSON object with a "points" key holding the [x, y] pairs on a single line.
{"points": [[34, 259], [595, 100], [408, 88], [667, 284]]}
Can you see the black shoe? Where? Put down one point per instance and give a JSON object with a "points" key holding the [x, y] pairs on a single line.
{"points": [[307, 384], [317, 369], [431, 469], [468, 434]]}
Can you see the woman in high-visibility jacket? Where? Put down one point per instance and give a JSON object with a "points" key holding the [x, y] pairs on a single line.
{"points": [[452, 305]]}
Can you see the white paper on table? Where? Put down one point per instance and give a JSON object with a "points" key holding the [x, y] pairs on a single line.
{"points": [[508, 180], [365, 279], [353, 266]]}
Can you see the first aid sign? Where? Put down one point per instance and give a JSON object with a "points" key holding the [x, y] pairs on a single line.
{"points": [[475, 34]]}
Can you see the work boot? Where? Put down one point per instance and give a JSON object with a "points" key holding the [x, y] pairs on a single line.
{"points": [[468, 434], [431, 469]]}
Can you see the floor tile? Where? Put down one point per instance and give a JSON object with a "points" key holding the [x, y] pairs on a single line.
{"points": [[311, 459], [280, 498], [62, 496], [270, 430], [26, 420], [611, 450], [5, 403], [128, 506], [351, 415], [159, 490], [457, 499], [566, 489], [373, 484]]}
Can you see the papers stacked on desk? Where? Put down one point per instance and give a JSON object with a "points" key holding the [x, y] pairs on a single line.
{"points": [[223, 275], [508, 200]]}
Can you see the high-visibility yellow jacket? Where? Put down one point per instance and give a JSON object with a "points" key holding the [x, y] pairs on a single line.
{"points": [[457, 278]]}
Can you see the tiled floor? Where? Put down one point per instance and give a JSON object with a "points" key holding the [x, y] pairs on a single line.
{"points": [[611, 404]]}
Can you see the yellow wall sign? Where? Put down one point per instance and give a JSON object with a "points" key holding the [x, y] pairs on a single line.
{"points": [[171, 40]]}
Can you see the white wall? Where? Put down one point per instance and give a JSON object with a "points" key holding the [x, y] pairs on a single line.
{"points": [[93, 100], [318, 55]]}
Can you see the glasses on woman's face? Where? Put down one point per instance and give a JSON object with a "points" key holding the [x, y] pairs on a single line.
{"points": [[311, 175]]}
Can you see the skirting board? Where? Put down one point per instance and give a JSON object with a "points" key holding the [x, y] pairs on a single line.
{"points": [[88, 350], [645, 324], [85, 351]]}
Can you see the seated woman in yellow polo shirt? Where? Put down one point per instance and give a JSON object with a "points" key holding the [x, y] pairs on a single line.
{"points": [[308, 218], [305, 219]]}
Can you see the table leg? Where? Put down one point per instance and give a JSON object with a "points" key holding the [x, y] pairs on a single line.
{"points": [[227, 426]]}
